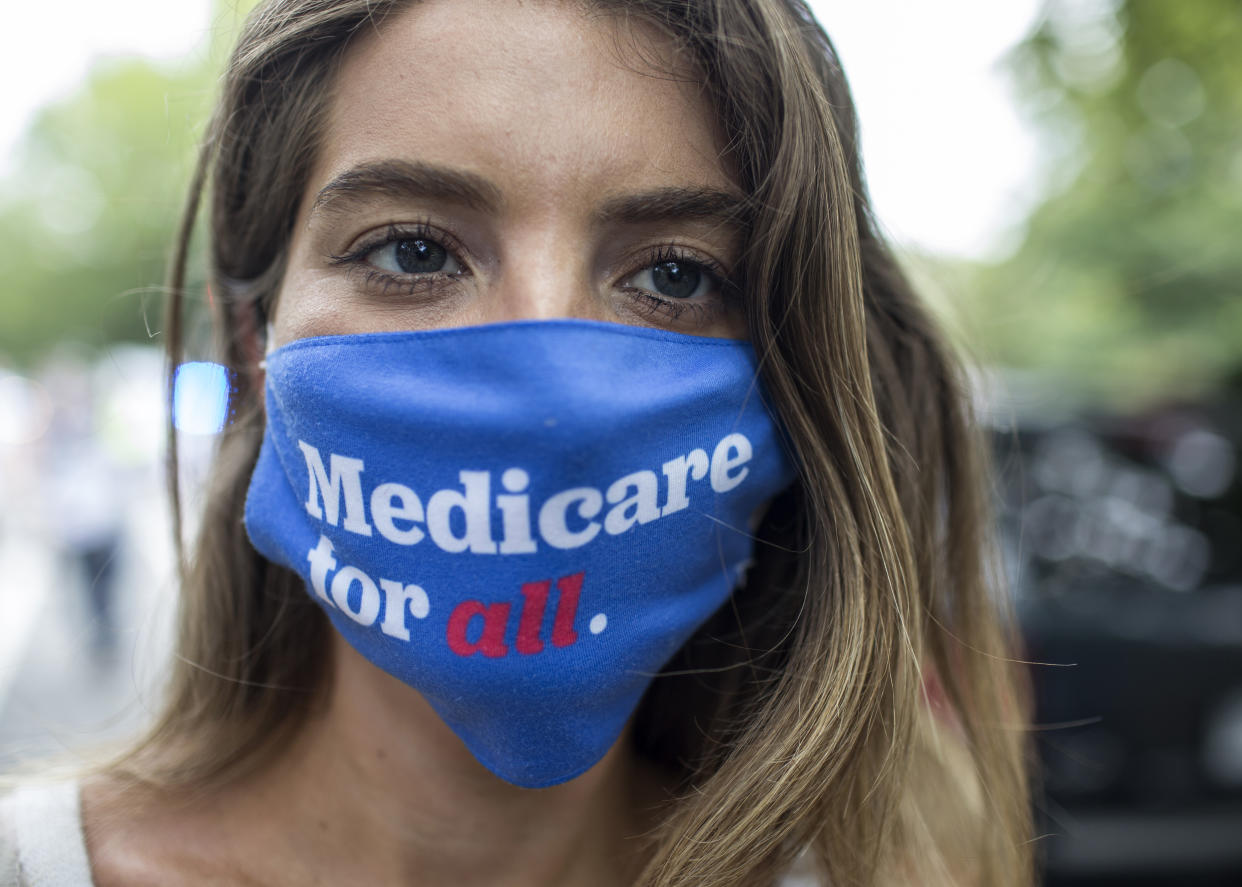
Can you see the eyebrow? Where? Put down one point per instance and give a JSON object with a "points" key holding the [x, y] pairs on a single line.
{"points": [[401, 178], [406, 179], [661, 204]]}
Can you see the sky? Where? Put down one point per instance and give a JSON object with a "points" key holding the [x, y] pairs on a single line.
{"points": [[949, 162]]}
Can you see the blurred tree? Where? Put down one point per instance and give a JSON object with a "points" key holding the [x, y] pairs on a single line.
{"points": [[86, 221], [1128, 285], [87, 218]]}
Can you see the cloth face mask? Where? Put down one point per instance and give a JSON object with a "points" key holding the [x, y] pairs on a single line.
{"points": [[522, 521]]}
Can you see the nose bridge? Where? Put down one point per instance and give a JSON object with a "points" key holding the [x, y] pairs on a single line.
{"points": [[545, 271]]}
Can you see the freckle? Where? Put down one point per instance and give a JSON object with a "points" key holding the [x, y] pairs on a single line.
{"points": [[381, 754], [323, 825]]}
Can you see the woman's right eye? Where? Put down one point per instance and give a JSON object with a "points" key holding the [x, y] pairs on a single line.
{"points": [[413, 255]]}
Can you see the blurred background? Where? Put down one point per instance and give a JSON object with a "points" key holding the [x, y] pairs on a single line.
{"points": [[1064, 180]]}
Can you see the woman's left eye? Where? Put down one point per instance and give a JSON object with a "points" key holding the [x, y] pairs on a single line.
{"points": [[677, 279]]}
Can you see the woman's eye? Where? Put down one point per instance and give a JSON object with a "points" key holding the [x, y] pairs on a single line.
{"points": [[414, 255], [673, 279]]}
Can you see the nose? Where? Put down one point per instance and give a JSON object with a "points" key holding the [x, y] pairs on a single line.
{"points": [[544, 274]]}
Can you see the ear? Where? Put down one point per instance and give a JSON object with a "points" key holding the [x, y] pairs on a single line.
{"points": [[249, 345]]}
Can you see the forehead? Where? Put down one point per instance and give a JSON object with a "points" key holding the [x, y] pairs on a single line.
{"points": [[546, 99]]}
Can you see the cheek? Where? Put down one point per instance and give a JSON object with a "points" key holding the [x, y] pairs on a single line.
{"points": [[733, 326], [304, 306], [314, 302]]}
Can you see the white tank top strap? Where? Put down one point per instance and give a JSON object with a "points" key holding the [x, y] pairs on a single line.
{"points": [[41, 840]]}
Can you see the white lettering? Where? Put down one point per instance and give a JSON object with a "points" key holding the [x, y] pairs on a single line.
{"points": [[474, 505], [321, 563], [346, 475], [460, 519], [641, 506], [396, 598], [695, 465], [369, 601], [552, 525], [515, 511], [384, 512], [723, 462]]}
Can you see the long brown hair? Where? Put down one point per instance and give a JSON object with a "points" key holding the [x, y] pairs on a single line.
{"points": [[799, 718]]}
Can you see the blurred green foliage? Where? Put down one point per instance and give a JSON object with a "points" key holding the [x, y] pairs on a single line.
{"points": [[88, 215], [86, 221], [1128, 285]]}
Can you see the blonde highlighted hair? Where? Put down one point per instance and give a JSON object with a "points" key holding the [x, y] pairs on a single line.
{"points": [[803, 718]]}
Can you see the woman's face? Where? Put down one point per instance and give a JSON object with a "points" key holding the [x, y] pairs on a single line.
{"points": [[494, 160]]}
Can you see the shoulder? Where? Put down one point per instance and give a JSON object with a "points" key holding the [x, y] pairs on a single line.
{"points": [[140, 837], [134, 840], [41, 836]]}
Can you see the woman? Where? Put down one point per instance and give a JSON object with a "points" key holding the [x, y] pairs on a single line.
{"points": [[493, 262]]}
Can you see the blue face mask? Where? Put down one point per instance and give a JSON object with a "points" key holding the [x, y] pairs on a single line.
{"points": [[523, 521]]}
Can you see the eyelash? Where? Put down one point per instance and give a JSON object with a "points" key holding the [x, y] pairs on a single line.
{"points": [[648, 304], [387, 284]]}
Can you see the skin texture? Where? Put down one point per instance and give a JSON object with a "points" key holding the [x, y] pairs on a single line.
{"points": [[556, 110], [557, 119]]}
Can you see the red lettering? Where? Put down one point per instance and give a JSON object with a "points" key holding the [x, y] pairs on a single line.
{"points": [[491, 641], [535, 601], [563, 633]]}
